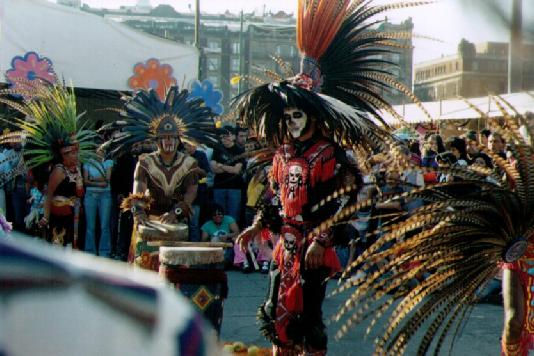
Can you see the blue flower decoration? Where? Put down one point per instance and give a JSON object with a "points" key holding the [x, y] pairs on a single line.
{"points": [[211, 96]]}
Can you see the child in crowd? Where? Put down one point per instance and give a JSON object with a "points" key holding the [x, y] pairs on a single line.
{"points": [[446, 160], [36, 201]]}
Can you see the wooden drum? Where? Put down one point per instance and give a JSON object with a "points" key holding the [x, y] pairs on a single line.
{"points": [[198, 272], [146, 255]]}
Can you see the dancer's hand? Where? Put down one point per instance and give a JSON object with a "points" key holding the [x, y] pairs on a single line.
{"points": [[314, 256], [141, 218], [79, 182], [43, 222], [168, 218]]}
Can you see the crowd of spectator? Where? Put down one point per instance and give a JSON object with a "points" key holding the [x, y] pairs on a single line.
{"points": [[228, 194], [385, 176], [218, 211]]}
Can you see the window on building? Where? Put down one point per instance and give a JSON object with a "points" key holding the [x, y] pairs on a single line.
{"points": [[214, 79], [235, 47], [214, 45], [285, 50], [234, 65], [213, 63], [395, 58], [293, 51], [475, 65]]}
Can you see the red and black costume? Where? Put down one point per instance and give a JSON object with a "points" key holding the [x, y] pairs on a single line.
{"points": [[309, 120], [303, 173], [523, 268]]}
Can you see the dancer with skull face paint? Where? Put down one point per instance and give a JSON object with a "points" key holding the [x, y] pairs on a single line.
{"points": [[165, 181], [308, 129]]}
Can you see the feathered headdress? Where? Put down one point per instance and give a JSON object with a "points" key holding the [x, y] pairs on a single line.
{"points": [[146, 117], [459, 239], [341, 59], [51, 123]]}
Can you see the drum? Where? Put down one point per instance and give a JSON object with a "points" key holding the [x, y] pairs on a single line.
{"points": [[156, 231], [146, 255], [198, 272]]}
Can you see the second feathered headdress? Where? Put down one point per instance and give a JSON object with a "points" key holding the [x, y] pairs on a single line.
{"points": [[146, 117]]}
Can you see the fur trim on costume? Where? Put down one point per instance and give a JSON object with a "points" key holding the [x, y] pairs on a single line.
{"points": [[138, 199]]}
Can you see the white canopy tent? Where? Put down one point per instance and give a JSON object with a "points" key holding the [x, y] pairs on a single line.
{"points": [[459, 110], [86, 50]]}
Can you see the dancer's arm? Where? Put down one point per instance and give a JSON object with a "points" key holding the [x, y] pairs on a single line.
{"points": [[514, 311]]}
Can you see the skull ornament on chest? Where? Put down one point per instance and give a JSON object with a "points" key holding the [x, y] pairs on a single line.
{"points": [[294, 180], [290, 243]]}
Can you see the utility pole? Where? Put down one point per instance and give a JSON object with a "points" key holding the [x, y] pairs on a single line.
{"points": [[197, 39], [239, 87], [515, 49]]}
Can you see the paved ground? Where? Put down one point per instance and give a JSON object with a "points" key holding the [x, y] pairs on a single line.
{"points": [[480, 335], [246, 291]]}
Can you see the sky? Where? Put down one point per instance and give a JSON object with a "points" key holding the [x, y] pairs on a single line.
{"points": [[446, 22]]}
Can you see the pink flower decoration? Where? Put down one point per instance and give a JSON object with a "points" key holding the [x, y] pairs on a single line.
{"points": [[26, 71], [152, 75]]}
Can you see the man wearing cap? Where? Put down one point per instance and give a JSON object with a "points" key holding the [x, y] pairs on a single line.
{"points": [[228, 167]]}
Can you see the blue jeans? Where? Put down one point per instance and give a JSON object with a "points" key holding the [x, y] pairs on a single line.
{"points": [[194, 229], [230, 200], [98, 202]]}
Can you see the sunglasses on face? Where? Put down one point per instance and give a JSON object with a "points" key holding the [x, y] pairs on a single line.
{"points": [[295, 115]]}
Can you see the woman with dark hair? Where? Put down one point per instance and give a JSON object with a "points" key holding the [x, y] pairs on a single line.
{"points": [[432, 147], [62, 203], [458, 148], [483, 160]]}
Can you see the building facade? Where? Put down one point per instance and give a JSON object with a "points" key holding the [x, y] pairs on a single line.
{"points": [[402, 57], [233, 45], [71, 3], [476, 70]]}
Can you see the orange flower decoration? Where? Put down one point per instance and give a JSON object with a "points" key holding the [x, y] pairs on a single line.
{"points": [[152, 75]]}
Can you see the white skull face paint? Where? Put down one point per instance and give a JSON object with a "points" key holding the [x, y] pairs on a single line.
{"points": [[296, 121], [168, 143]]}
